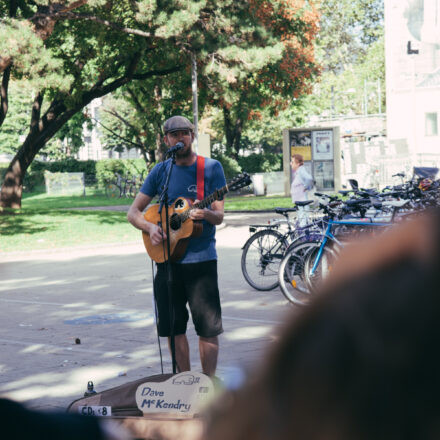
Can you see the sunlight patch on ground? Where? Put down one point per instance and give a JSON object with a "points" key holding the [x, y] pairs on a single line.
{"points": [[244, 333], [59, 384], [248, 304], [95, 287], [76, 305], [140, 324], [33, 348], [7, 285], [50, 348]]}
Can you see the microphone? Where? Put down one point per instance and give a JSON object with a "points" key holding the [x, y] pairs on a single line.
{"points": [[173, 150]]}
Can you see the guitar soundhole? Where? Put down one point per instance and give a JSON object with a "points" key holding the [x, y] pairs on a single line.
{"points": [[179, 204], [175, 222]]}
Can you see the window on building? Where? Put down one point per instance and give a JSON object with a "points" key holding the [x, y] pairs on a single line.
{"points": [[431, 125]]}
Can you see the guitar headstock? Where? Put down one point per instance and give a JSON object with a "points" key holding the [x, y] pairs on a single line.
{"points": [[240, 181]]}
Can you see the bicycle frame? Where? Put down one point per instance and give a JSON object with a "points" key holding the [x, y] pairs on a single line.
{"points": [[329, 236]]}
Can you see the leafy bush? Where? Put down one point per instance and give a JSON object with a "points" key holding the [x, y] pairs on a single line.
{"points": [[94, 171], [106, 169], [230, 165], [261, 163]]}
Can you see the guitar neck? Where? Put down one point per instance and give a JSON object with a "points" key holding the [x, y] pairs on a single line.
{"points": [[216, 195]]}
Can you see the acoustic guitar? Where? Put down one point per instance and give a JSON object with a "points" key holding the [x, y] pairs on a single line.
{"points": [[182, 227]]}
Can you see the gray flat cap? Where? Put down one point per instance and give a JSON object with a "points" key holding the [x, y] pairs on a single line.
{"points": [[176, 123]]}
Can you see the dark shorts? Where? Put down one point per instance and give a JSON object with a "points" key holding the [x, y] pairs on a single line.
{"points": [[195, 284]]}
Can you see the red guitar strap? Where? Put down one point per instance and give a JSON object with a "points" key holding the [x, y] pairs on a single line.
{"points": [[200, 177]]}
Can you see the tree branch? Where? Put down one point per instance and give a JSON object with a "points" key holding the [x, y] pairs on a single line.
{"points": [[151, 73], [57, 114], [6, 62], [136, 101], [4, 94], [46, 16], [55, 14], [122, 119], [142, 147], [75, 5], [116, 26], [36, 111]]}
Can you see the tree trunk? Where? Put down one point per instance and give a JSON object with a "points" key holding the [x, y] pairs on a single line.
{"points": [[44, 128], [229, 131], [144, 155], [6, 69], [158, 151], [12, 187], [4, 94], [237, 138], [233, 133]]}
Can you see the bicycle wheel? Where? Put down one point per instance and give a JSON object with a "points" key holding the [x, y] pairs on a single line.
{"points": [[131, 191], [291, 276], [261, 257], [323, 267], [112, 191]]}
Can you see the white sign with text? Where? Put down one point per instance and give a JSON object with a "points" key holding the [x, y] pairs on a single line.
{"points": [[185, 394]]}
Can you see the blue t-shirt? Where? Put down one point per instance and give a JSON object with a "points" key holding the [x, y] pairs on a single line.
{"points": [[183, 183]]}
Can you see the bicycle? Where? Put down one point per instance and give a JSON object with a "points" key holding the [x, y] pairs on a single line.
{"points": [[264, 250], [122, 187], [310, 259]]}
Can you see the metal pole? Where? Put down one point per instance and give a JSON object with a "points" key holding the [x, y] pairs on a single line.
{"points": [[332, 89], [195, 100], [379, 97], [365, 97]]}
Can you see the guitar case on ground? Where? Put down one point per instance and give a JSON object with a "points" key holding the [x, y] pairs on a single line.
{"points": [[158, 407]]}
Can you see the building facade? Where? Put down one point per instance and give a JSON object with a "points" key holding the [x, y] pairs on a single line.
{"points": [[412, 53]]}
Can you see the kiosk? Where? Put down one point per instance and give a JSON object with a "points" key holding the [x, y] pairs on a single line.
{"points": [[320, 149]]}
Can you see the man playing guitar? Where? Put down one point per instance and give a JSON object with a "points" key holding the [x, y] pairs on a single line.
{"points": [[195, 274]]}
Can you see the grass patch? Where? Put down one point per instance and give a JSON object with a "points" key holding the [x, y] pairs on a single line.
{"points": [[252, 203], [35, 229], [45, 222], [233, 203], [43, 201]]}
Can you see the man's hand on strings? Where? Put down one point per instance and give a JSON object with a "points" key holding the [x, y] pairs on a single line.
{"points": [[198, 214], [156, 234]]}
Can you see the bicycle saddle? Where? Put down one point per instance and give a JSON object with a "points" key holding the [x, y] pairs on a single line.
{"points": [[344, 192], [356, 202], [327, 196], [284, 210], [304, 203]]}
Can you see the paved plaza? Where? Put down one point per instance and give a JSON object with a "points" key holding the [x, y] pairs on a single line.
{"points": [[74, 315]]}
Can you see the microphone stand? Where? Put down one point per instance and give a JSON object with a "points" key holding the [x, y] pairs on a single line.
{"points": [[163, 201]]}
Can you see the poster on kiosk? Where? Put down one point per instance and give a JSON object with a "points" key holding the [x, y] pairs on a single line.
{"points": [[317, 147]]}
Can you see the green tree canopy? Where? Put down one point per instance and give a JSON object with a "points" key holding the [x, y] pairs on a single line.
{"points": [[279, 71], [94, 47], [350, 48]]}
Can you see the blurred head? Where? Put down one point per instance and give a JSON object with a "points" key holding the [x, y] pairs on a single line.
{"points": [[296, 161], [362, 361]]}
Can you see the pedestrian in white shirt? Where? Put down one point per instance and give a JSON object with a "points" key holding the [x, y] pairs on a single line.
{"points": [[302, 182]]}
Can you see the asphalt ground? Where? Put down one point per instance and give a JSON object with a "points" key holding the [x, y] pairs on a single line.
{"points": [[80, 314]]}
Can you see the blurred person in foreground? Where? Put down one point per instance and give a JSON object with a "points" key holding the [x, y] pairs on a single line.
{"points": [[21, 423], [362, 361], [302, 182]]}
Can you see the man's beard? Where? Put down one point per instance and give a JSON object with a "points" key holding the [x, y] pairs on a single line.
{"points": [[184, 153]]}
